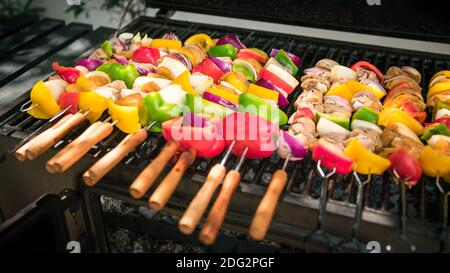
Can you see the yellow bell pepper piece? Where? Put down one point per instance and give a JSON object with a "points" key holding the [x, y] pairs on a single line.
{"points": [[356, 87], [438, 88], [389, 116], [434, 163], [236, 79], [233, 98], [183, 80], [341, 91], [127, 117], [202, 40], [47, 106], [94, 103], [262, 92], [364, 161], [86, 84], [158, 43]]}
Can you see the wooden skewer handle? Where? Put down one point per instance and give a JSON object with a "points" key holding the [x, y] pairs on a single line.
{"points": [[198, 205], [266, 209], [217, 213], [113, 157], [53, 136], [148, 176], [66, 158], [21, 153], [165, 190]]}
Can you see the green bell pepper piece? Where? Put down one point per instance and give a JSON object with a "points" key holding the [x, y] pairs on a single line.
{"points": [[226, 50], [107, 48], [155, 109], [338, 118], [124, 72], [199, 105], [440, 105], [285, 61], [257, 106], [248, 74], [440, 129], [366, 114]]}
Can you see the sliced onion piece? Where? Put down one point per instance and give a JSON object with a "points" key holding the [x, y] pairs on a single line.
{"points": [[127, 92], [373, 84], [219, 100], [90, 63], [140, 83], [282, 100], [231, 39], [200, 82], [56, 87], [365, 125], [294, 58], [173, 94], [248, 66], [120, 59], [326, 127], [222, 64], [288, 144]]}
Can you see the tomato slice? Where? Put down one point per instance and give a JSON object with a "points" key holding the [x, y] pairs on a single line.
{"points": [[407, 167], [209, 68]]}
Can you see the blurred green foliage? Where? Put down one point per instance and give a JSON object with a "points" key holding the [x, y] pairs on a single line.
{"points": [[9, 8]]}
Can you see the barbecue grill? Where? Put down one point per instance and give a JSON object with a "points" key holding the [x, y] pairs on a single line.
{"points": [[297, 211]]}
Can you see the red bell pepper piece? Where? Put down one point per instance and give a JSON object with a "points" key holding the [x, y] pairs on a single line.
{"points": [[145, 54], [249, 131], [275, 80], [331, 157], [69, 74], [411, 110], [204, 140], [368, 66], [209, 68], [407, 167], [253, 53], [304, 112], [446, 121], [67, 99]]}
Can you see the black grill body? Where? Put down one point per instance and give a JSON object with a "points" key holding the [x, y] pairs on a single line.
{"points": [[297, 210]]}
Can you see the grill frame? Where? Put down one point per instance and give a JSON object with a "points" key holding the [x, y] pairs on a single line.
{"points": [[376, 225]]}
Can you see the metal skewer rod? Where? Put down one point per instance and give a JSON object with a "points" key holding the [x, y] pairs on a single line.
{"points": [[122, 18], [402, 237], [354, 241], [319, 232]]}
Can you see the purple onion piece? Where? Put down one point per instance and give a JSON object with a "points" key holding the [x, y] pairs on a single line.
{"points": [[185, 60], [192, 120], [288, 142], [373, 84], [219, 100], [233, 40], [170, 36], [294, 58], [120, 59], [90, 63], [282, 100], [224, 66]]}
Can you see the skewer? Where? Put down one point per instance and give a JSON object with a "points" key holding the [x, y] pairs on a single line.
{"points": [[402, 218], [51, 136], [32, 106], [113, 157], [198, 205], [148, 176], [162, 194], [122, 18], [354, 241], [266, 209], [444, 231], [75, 150], [217, 213], [20, 148], [319, 232]]}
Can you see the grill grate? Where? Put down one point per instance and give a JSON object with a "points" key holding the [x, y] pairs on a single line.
{"points": [[381, 195]]}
